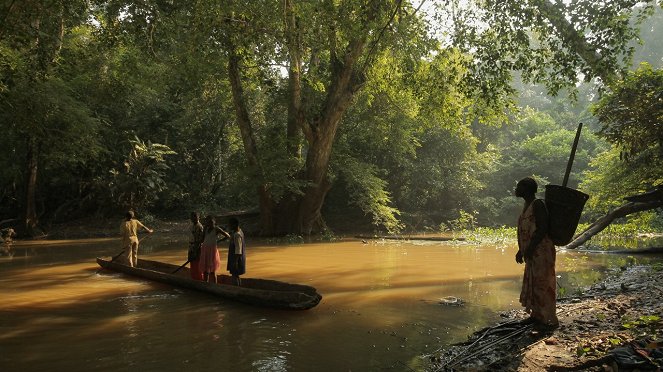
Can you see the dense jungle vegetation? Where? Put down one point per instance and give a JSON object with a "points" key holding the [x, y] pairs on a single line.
{"points": [[363, 114]]}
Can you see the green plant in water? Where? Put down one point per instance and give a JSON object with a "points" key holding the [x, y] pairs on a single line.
{"points": [[328, 236], [489, 235], [466, 221], [293, 239], [288, 239]]}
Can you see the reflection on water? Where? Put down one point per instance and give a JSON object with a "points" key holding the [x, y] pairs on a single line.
{"points": [[380, 309]]}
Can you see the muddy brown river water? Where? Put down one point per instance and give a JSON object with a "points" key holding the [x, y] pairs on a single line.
{"points": [[380, 310]]}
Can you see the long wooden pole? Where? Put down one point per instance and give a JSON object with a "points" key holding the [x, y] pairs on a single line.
{"points": [[119, 254], [187, 261], [573, 155], [178, 269]]}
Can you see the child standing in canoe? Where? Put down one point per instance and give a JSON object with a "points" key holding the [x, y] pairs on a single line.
{"points": [[209, 254], [236, 252]]}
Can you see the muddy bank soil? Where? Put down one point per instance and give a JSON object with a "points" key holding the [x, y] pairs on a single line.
{"points": [[600, 330]]}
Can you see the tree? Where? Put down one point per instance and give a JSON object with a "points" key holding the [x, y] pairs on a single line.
{"points": [[35, 31], [630, 115], [328, 49], [289, 103], [551, 42]]}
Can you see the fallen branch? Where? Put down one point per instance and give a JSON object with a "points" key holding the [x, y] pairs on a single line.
{"points": [[606, 220]]}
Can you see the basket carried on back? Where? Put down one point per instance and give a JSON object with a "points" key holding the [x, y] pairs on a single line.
{"points": [[565, 204], [564, 208]]}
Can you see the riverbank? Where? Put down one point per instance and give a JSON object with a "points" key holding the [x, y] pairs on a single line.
{"points": [[607, 327]]}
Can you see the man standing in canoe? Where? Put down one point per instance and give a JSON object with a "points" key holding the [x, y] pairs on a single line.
{"points": [[195, 241], [236, 251], [536, 249], [129, 233]]}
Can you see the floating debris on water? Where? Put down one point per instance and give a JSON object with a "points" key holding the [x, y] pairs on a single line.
{"points": [[451, 301]]}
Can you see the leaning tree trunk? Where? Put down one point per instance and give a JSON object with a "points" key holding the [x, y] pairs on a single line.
{"points": [[604, 221]]}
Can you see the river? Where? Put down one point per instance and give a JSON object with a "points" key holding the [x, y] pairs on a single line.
{"points": [[380, 310]]}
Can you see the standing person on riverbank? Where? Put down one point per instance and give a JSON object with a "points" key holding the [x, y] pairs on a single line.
{"points": [[195, 241], [210, 260], [236, 251], [129, 233], [537, 251]]}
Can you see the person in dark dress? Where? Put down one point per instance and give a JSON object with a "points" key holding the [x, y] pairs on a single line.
{"points": [[195, 241]]}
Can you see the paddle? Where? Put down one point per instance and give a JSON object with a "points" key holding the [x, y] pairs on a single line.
{"points": [[187, 261], [178, 269], [116, 256]]}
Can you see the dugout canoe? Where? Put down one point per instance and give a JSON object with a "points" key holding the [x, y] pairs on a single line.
{"points": [[259, 292]]}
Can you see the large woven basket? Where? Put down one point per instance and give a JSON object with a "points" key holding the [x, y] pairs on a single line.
{"points": [[564, 209]]}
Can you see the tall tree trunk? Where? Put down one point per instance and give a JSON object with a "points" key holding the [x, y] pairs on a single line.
{"points": [[300, 212], [30, 219], [46, 34], [248, 139], [295, 114]]}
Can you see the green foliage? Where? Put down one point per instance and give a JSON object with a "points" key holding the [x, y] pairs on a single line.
{"points": [[648, 324], [137, 184], [582, 350], [631, 116], [66, 131], [548, 42], [631, 112], [608, 181], [328, 236], [488, 235], [536, 145], [650, 46], [430, 132], [288, 239], [368, 192], [465, 221]]}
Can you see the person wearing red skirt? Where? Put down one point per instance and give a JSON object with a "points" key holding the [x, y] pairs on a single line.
{"points": [[210, 261]]}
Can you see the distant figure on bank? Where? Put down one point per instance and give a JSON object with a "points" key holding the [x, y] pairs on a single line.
{"points": [[7, 238], [129, 233], [195, 241], [236, 251], [209, 254], [536, 249], [7, 235]]}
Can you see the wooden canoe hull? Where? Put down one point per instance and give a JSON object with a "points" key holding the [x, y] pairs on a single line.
{"points": [[260, 292]]}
